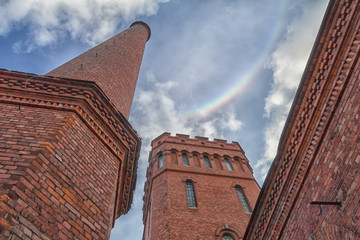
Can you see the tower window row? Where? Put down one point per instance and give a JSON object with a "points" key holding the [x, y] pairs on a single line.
{"points": [[191, 198], [215, 163]]}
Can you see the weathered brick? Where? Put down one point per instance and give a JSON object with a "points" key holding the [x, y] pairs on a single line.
{"points": [[4, 222]]}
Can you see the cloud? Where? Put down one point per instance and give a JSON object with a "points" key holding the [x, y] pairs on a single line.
{"points": [[288, 63], [159, 116], [164, 114], [90, 21], [217, 125]]}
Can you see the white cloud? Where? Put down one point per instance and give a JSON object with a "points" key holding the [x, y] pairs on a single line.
{"points": [[90, 21], [156, 112], [288, 63], [217, 125]]}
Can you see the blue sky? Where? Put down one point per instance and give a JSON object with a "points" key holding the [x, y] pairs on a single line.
{"points": [[221, 69]]}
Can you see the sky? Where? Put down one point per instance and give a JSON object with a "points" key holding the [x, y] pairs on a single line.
{"points": [[225, 69]]}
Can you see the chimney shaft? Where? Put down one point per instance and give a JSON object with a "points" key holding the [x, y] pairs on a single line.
{"points": [[114, 65]]}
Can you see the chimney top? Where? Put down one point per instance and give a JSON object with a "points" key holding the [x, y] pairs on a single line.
{"points": [[144, 25]]}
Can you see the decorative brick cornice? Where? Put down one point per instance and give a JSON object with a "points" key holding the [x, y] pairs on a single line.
{"points": [[328, 71], [87, 100]]}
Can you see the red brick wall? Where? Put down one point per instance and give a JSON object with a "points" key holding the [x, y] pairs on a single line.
{"points": [[334, 176], [165, 199], [217, 201], [57, 180]]}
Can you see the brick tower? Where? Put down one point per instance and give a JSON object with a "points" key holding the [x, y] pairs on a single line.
{"points": [[68, 155], [197, 189]]}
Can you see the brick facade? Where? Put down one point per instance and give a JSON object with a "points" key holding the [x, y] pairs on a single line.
{"points": [[312, 190], [166, 214], [45, 154], [68, 157]]}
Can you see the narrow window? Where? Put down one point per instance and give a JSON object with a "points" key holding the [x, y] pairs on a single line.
{"points": [[238, 164], [217, 163], [196, 160], [185, 160], [190, 194], [228, 165], [227, 237], [243, 200], [207, 162], [160, 161], [174, 158]]}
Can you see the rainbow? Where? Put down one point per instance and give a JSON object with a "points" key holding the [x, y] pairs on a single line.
{"points": [[243, 81]]}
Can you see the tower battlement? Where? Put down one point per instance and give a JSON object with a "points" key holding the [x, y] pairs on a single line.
{"points": [[217, 169], [196, 141]]}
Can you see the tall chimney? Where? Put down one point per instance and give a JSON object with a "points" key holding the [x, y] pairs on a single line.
{"points": [[114, 65]]}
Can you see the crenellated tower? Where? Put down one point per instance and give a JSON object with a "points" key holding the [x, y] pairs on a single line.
{"points": [[197, 189]]}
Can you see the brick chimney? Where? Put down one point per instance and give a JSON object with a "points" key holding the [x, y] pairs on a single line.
{"points": [[114, 65], [68, 155]]}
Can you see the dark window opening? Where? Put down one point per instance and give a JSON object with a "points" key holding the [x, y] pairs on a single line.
{"points": [[228, 165], [243, 200], [190, 194], [185, 160], [207, 162], [160, 161]]}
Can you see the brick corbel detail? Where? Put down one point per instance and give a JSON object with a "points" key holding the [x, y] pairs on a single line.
{"points": [[90, 104]]}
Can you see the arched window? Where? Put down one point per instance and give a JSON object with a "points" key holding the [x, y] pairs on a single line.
{"points": [[174, 159], [239, 164], [243, 200], [160, 161], [228, 165], [190, 194], [185, 159], [207, 162], [217, 163], [227, 236], [226, 232], [196, 160]]}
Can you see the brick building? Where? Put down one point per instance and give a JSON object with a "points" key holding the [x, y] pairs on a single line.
{"points": [[68, 155], [197, 189], [312, 190]]}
